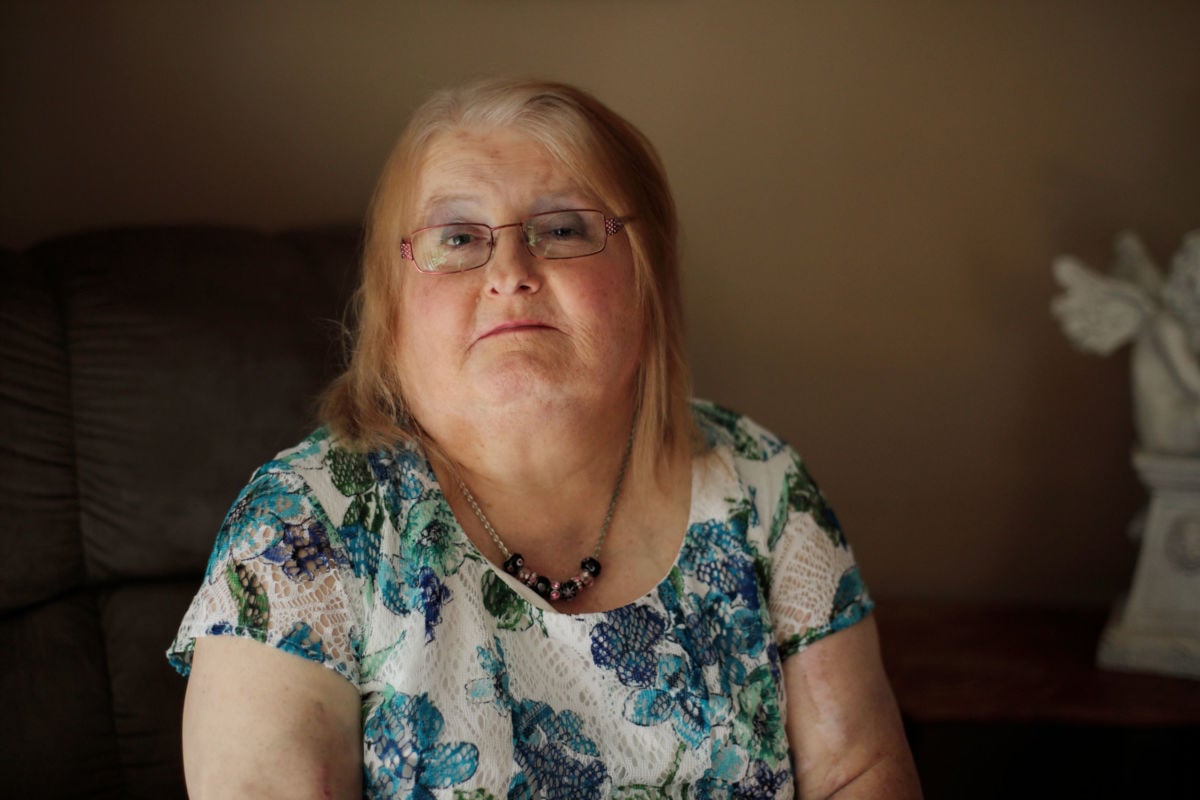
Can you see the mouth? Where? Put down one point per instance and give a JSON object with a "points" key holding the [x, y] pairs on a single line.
{"points": [[514, 326]]}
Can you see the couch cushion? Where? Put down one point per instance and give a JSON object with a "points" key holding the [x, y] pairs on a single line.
{"points": [[57, 738], [138, 621], [146, 374], [39, 514], [195, 355]]}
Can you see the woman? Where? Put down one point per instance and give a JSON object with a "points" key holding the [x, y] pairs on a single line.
{"points": [[516, 561]]}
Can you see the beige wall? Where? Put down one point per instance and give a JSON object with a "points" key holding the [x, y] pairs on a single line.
{"points": [[871, 193]]}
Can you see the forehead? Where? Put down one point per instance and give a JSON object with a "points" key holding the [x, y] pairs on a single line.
{"points": [[500, 167]]}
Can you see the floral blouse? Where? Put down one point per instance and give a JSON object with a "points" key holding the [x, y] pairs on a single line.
{"points": [[474, 687]]}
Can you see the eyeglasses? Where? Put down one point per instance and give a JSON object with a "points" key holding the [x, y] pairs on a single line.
{"points": [[571, 233]]}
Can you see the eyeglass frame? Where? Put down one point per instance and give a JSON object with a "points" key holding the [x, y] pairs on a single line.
{"points": [[612, 226]]}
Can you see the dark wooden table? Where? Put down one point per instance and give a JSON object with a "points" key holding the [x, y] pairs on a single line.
{"points": [[955, 663], [1008, 702]]}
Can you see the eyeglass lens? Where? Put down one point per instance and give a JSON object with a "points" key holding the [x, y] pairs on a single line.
{"points": [[463, 246]]}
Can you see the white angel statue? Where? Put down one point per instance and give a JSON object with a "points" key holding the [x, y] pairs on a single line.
{"points": [[1099, 313]]}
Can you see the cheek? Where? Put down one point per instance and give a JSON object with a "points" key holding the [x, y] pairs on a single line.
{"points": [[427, 322], [436, 306], [612, 305]]}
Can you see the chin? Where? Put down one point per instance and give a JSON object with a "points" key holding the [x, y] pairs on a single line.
{"points": [[520, 390], [532, 392]]}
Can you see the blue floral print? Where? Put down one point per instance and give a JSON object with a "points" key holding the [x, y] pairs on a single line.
{"points": [[720, 556], [407, 586], [303, 551], [680, 696], [303, 641], [430, 594], [403, 732], [556, 759], [728, 764], [474, 689], [761, 783], [626, 643], [269, 500]]}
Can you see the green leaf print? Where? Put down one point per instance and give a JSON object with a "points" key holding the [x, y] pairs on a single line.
{"points": [[511, 612], [349, 471], [804, 497], [371, 663], [365, 510], [478, 794], [379, 516], [431, 534], [356, 512], [742, 514], [798, 641], [639, 793], [758, 726], [642, 791], [676, 579], [253, 613], [762, 571]]}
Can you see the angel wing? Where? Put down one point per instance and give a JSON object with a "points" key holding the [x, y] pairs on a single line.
{"points": [[1181, 292], [1097, 313], [1132, 263]]}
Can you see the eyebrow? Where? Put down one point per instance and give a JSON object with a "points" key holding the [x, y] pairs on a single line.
{"points": [[567, 198], [449, 199]]}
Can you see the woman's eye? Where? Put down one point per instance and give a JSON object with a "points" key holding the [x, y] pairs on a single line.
{"points": [[560, 227], [458, 238]]}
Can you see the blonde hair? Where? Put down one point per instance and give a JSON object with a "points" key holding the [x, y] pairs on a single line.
{"points": [[365, 406]]}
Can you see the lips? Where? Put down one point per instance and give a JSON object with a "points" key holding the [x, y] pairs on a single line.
{"points": [[514, 326]]}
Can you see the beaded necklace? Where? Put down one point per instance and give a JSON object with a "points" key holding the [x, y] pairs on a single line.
{"points": [[589, 568]]}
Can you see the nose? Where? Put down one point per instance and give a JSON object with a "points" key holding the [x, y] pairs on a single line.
{"points": [[513, 269]]}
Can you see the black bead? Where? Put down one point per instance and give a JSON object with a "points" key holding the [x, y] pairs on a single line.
{"points": [[591, 566], [568, 589], [514, 563], [542, 587]]}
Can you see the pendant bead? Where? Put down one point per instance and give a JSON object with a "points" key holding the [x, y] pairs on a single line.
{"points": [[515, 564]]}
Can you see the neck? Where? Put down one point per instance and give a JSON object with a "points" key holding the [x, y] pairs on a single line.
{"points": [[545, 488], [534, 452], [589, 566]]}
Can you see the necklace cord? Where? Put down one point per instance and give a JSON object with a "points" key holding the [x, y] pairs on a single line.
{"points": [[604, 526]]}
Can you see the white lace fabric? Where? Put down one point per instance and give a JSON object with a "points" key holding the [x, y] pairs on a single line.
{"points": [[472, 685]]}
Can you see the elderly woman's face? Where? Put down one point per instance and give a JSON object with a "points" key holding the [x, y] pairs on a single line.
{"points": [[520, 334]]}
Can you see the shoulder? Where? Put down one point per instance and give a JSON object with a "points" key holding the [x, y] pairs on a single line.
{"points": [[768, 467], [284, 489], [722, 428], [332, 469], [324, 486]]}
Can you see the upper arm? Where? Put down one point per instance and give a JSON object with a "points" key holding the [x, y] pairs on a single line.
{"points": [[842, 720], [259, 722]]}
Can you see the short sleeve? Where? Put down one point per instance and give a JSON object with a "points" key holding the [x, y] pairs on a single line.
{"points": [[278, 574], [815, 586]]}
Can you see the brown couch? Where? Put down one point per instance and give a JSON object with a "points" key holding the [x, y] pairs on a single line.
{"points": [[145, 373]]}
